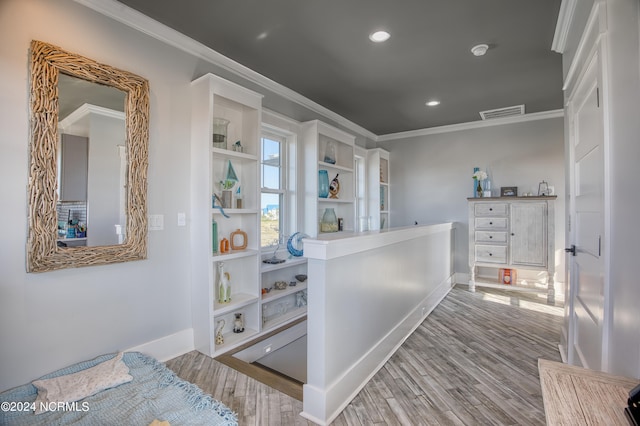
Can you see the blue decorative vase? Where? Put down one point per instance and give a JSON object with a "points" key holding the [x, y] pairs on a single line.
{"points": [[475, 183], [323, 184]]}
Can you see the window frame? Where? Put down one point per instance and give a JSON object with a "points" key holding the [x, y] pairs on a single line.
{"points": [[287, 178]]}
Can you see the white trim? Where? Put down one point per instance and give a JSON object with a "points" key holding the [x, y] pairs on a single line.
{"points": [[167, 347], [595, 27], [161, 32], [565, 19], [86, 109], [472, 125]]}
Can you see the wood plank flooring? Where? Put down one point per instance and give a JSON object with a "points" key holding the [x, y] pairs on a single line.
{"points": [[472, 361]]}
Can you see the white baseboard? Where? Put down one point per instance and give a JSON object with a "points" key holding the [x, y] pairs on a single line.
{"points": [[167, 347], [340, 394]]}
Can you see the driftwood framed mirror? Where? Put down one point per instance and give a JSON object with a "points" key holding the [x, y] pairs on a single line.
{"points": [[46, 251]]}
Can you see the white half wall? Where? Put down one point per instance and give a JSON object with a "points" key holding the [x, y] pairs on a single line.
{"points": [[367, 293]]}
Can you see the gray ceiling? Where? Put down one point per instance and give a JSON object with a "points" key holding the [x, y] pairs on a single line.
{"points": [[320, 49]]}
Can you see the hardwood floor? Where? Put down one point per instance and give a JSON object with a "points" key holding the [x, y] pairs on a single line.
{"points": [[472, 361]]}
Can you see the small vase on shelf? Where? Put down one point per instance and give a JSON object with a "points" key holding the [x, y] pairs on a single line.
{"points": [[479, 190], [323, 184], [329, 221]]}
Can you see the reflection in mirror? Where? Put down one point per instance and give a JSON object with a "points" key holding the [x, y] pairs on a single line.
{"points": [[51, 185], [91, 163]]}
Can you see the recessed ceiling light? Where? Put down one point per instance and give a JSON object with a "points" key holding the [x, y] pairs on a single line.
{"points": [[480, 49], [379, 36], [433, 103]]}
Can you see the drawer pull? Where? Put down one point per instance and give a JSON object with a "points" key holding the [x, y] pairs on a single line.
{"points": [[490, 236], [490, 223], [490, 254], [490, 209]]}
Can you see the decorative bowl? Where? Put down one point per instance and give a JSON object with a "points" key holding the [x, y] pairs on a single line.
{"points": [[301, 277]]}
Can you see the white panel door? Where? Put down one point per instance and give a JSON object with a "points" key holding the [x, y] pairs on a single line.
{"points": [[587, 220]]}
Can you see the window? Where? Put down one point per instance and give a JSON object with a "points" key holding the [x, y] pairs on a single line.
{"points": [[273, 196]]}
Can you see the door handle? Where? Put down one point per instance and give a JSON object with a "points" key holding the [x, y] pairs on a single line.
{"points": [[571, 250]]}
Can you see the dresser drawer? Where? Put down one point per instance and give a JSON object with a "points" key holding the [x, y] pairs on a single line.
{"points": [[484, 209], [490, 223], [491, 237], [491, 254]]}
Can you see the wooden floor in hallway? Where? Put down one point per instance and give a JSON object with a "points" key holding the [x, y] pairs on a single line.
{"points": [[472, 361]]}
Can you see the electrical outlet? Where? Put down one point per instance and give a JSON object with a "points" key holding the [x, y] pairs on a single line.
{"points": [[156, 222], [267, 349], [182, 219]]}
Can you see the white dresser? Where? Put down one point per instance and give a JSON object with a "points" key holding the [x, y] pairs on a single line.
{"points": [[515, 233]]}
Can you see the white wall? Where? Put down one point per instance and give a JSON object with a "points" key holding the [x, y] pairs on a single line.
{"points": [[431, 175], [50, 320], [103, 183]]}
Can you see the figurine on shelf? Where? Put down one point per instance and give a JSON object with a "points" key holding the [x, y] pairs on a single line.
{"points": [[238, 323], [301, 298], [219, 336], [224, 285], [334, 187]]}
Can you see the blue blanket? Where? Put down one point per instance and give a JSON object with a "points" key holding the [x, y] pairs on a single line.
{"points": [[154, 393]]}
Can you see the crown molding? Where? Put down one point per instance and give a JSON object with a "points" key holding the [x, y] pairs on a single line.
{"points": [[472, 125], [565, 18], [141, 22], [85, 110]]}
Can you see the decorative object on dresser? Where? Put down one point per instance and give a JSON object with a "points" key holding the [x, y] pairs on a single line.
{"points": [[543, 189], [508, 191], [478, 177], [515, 235]]}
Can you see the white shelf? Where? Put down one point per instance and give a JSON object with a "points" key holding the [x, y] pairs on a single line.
{"points": [[335, 200], [238, 254], [233, 154], [322, 164], [231, 340], [234, 211], [267, 267], [484, 282], [286, 317], [278, 294], [238, 301]]}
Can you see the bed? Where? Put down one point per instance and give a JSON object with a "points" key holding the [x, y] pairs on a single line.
{"points": [[145, 392]]}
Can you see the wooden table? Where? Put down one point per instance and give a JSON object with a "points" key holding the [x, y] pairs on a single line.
{"points": [[578, 396]]}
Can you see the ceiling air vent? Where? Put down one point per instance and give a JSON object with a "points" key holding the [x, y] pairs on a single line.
{"points": [[502, 112]]}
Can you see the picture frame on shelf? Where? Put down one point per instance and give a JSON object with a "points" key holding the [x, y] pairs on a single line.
{"points": [[508, 191]]}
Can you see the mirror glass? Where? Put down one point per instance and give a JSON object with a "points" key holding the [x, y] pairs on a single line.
{"points": [[88, 159], [92, 163]]}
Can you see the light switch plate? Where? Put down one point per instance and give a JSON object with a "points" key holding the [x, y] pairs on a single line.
{"points": [[182, 219], [156, 222]]}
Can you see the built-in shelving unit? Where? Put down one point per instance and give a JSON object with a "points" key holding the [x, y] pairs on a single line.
{"points": [[318, 138], [283, 306], [378, 187], [212, 97]]}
